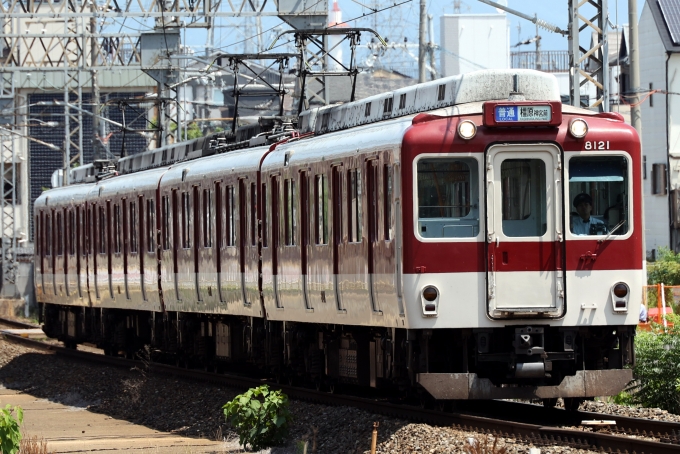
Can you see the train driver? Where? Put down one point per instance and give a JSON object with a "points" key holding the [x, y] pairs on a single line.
{"points": [[584, 223]]}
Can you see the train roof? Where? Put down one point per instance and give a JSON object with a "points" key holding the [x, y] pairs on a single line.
{"points": [[63, 196]]}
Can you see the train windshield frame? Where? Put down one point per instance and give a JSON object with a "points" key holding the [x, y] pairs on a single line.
{"points": [[603, 182]]}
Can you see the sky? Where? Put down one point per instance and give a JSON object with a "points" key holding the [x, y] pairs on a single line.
{"points": [[397, 23]]}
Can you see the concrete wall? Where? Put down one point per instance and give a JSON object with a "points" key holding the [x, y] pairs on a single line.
{"points": [[654, 130], [471, 42]]}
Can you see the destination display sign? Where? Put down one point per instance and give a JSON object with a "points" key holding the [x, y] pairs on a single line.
{"points": [[520, 113]]}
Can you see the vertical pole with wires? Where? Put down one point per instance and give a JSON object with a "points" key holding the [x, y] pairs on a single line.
{"points": [[422, 40]]}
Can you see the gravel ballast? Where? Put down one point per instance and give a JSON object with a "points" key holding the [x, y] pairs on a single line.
{"points": [[195, 409]]}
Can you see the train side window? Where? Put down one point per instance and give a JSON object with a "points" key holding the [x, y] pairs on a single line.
{"points": [[48, 235], [165, 221], [87, 232], [60, 235], [354, 218], [321, 209], [102, 230], [290, 211], [151, 225], [387, 202], [186, 220], [39, 235], [72, 232], [207, 218], [230, 231], [116, 229], [448, 198], [253, 212], [601, 182], [133, 227], [265, 225]]}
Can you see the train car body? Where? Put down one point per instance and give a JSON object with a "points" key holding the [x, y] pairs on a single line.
{"points": [[432, 239]]}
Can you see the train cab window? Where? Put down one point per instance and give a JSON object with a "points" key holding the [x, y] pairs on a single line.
{"points": [[523, 189], [60, 235], [354, 218], [448, 198], [116, 229], [598, 195], [207, 218], [321, 209], [290, 212], [133, 227], [231, 222], [151, 225], [186, 220]]}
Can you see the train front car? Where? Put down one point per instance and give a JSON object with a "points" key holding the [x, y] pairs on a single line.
{"points": [[522, 247]]}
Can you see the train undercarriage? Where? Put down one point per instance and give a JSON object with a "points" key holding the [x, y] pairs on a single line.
{"points": [[528, 361]]}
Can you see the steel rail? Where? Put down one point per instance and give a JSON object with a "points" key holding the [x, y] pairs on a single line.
{"points": [[536, 434]]}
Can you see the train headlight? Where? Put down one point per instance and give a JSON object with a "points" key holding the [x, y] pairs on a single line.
{"points": [[620, 293], [467, 129], [430, 301], [578, 128]]}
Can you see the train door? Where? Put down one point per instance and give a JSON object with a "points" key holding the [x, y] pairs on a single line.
{"points": [[374, 243], [336, 195], [196, 214], [304, 236], [524, 230]]}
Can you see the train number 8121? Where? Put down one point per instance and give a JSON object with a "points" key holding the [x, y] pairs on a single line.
{"points": [[597, 145]]}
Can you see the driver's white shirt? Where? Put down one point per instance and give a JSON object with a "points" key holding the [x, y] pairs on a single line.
{"points": [[581, 227]]}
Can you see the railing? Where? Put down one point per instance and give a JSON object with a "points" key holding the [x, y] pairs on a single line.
{"points": [[659, 308], [550, 61]]}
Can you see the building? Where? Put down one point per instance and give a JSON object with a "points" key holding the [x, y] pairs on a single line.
{"points": [[470, 42], [659, 36]]}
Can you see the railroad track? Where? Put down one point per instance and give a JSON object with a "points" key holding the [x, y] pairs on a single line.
{"points": [[529, 423]]}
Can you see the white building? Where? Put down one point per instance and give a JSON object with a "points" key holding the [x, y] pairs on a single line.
{"points": [[470, 42], [659, 67]]}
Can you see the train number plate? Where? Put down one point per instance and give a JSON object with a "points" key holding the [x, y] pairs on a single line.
{"points": [[522, 113]]}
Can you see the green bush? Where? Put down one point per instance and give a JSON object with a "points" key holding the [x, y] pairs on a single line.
{"points": [[10, 435], [656, 375], [260, 417]]}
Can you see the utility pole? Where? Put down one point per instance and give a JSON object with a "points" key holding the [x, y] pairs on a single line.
{"points": [[430, 47], [422, 41], [633, 53]]}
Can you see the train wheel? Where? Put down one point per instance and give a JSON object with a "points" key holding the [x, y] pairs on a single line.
{"points": [[572, 403], [550, 403]]}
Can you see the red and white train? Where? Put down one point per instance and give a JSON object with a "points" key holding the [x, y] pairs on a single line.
{"points": [[424, 239]]}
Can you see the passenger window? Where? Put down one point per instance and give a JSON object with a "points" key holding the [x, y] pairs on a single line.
{"points": [[116, 229], [133, 227], [151, 225], [290, 212], [448, 198], [523, 189], [231, 215], [354, 218], [72, 232], [102, 230], [321, 209], [253, 213], [60, 235], [598, 193], [186, 222], [265, 225], [48, 235], [207, 220], [387, 194]]}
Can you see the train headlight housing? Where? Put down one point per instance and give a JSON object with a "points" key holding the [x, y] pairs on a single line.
{"points": [[430, 300], [578, 128], [620, 292], [467, 129]]}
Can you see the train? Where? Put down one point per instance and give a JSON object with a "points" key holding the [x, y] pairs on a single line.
{"points": [[466, 238]]}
